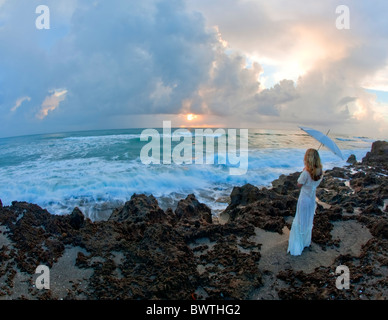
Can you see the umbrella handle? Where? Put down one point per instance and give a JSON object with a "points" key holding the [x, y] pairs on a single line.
{"points": [[321, 143]]}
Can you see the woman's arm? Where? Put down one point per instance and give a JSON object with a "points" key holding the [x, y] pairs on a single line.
{"points": [[301, 178]]}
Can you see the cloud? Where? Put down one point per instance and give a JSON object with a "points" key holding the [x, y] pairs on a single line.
{"points": [[120, 59], [129, 58], [51, 103], [377, 80], [19, 102], [270, 101], [328, 68], [230, 87]]}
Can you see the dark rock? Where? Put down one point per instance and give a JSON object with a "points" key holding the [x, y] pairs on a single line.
{"points": [[332, 184], [35, 234], [380, 229], [81, 260], [321, 233], [286, 184], [236, 274], [352, 159], [318, 285], [216, 231], [378, 154], [170, 216], [335, 213], [244, 195], [192, 210], [359, 174], [77, 219], [349, 208], [262, 208], [373, 209], [336, 172], [368, 179], [259, 214], [140, 208]]}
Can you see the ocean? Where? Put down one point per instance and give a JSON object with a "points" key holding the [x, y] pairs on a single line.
{"points": [[100, 170]]}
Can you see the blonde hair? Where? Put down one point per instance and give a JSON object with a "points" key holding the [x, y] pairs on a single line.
{"points": [[312, 161]]}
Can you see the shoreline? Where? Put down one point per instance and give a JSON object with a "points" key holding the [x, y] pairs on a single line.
{"points": [[95, 171], [145, 252]]}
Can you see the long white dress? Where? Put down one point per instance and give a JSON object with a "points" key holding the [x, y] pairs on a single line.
{"points": [[302, 225]]}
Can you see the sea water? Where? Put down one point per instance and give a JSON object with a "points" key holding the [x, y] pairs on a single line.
{"points": [[100, 170]]}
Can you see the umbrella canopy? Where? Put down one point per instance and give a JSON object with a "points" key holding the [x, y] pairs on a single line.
{"points": [[324, 139]]}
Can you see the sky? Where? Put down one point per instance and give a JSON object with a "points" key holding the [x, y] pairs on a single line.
{"points": [[203, 63]]}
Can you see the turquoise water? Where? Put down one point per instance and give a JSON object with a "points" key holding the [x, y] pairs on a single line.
{"points": [[99, 170]]}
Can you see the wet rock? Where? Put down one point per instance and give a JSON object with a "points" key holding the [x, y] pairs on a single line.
{"points": [[34, 232], [77, 219], [261, 208], [378, 154], [229, 271], [352, 159], [81, 260], [349, 207], [336, 172], [191, 209], [250, 195], [380, 229], [139, 209], [286, 184], [372, 209], [318, 285], [333, 185], [321, 233], [244, 195], [213, 232], [367, 179], [334, 213], [264, 216]]}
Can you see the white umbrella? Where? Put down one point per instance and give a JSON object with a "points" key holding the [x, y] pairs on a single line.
{"points": [[324, 139]]}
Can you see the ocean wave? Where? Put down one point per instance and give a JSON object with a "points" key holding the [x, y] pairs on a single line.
{"points": [[345, 139], [104, 137], [61, 185], [94, 171]]}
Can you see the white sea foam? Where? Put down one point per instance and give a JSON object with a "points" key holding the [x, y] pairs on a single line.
{"points": [[98, 172], [104, 137]]}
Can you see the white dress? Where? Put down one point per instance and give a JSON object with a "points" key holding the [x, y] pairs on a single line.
{"points": [[302, 225]]}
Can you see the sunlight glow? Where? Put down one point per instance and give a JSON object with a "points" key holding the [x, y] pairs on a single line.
{"points": [[191, 117]]}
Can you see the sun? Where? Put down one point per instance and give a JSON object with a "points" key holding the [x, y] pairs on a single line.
{"points": [[191, 117]]}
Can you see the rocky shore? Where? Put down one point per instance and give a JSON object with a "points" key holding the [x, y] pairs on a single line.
{"points": [[144, 252]]}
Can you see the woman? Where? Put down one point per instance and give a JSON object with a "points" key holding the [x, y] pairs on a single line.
{"points": [[310, 178]]}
